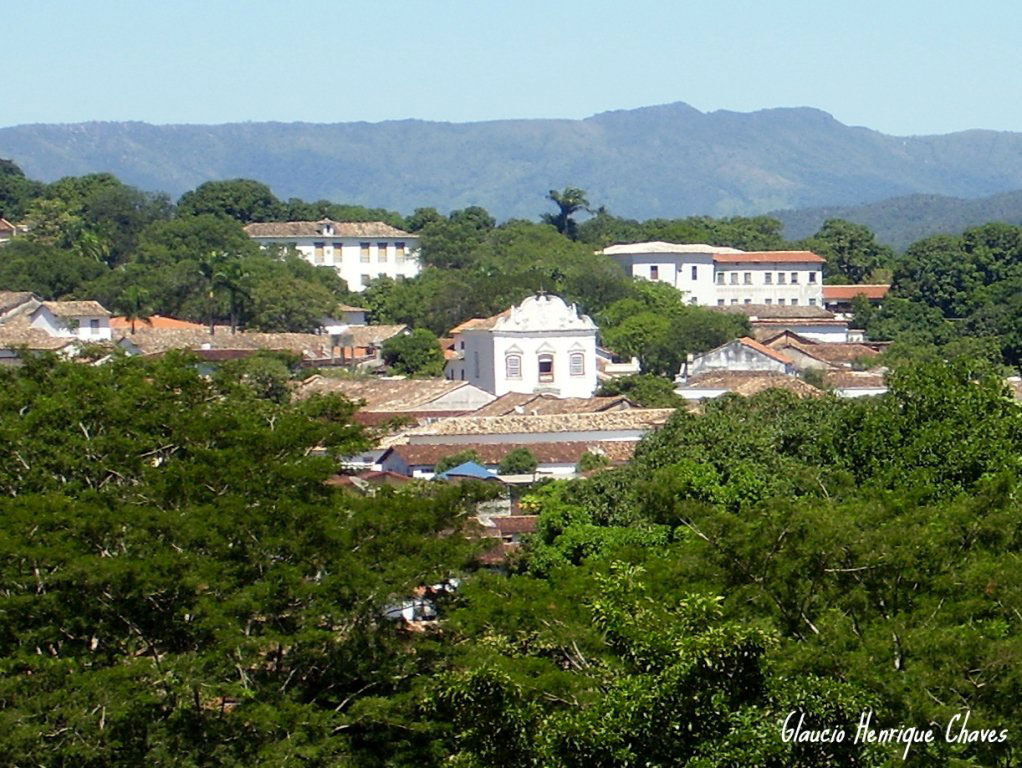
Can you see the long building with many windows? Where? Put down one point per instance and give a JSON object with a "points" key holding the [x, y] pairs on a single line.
{"points": [[359, 250], [717, 276]]}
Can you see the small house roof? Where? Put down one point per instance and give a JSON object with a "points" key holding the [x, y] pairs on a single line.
{"points": [[72, 309], [315, 229]]}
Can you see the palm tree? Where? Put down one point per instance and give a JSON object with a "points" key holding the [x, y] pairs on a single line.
{"points": [[210, 267], [569, 201], [222, 270], [234, 278], [136, 306]]}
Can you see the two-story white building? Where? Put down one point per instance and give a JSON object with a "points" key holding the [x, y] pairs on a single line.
{"points": [[541, 345], [359, 250], [717, 276], [84, 320]]}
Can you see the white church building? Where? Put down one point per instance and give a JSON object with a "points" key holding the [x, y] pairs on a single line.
{"points": [[541, 345], [359, 250]]}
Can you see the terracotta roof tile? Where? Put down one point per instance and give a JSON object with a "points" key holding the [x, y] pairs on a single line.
{"points": [[633, 418], [748, 383], [768, 257], [76, 308], [849, 292], [386, 395], [773, 354], [539, 404], [120, 323]]}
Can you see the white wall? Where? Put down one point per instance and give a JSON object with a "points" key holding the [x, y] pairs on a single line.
{"points": [[758, 291], [344, 254], [735, 356], [45, 320]]}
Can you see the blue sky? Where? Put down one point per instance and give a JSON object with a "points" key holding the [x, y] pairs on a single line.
{"points": [[900, 66]]}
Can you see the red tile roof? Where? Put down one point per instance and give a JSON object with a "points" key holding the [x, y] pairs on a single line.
{"points": [[120, 323], [769, 257], [773, 354]]}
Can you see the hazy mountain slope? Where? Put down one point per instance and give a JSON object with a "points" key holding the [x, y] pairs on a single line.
{"points": [[900, 221], [669, 160]]}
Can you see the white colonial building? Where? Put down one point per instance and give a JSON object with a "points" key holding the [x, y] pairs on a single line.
{"points": [[716, 276], [359, 250], [541, 345], [84, 320]]}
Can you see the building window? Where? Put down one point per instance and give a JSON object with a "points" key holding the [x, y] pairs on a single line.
{"points": [[812, 277], [794, 278], [475, 362], [734, 278], [546, 367], [768, 278], [748, 301], [748, 278], [381, 251], [781, 302], [720, 302], [695, 273], [364, 252], [812, 302], [94, 327], [769, 301], [794, 302], [720, 278], [318, 253], [365, 279], [654, 272], [577, 364], [399, 253], [513, 366], [338, 251], [780, 278], [734, 301], [693, 301]]}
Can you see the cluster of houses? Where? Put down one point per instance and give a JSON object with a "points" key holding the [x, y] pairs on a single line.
{"points": [[68, 328]]}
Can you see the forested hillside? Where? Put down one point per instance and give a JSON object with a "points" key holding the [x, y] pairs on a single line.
{"points": [[664, 161], [178, 585]]}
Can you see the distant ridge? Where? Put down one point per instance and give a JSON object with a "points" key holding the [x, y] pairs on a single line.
{"points": [[900, 221], [661, 161]]}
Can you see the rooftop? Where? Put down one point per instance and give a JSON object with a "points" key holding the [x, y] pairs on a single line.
{"points": [[748, 383], [769, 312], [315, 229], [856, 379], [12, 299], [385, 395], [834, 353], [74, 309], [659, 246], [539, 404], [150, 341], [120, 323], [773, 354], [633, 418], [769, 257], [849, 292]]}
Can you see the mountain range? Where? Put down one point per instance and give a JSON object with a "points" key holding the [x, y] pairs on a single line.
{"points": [[663, 161]]}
